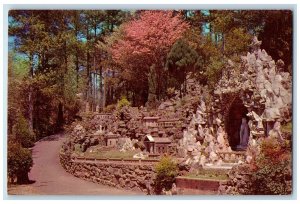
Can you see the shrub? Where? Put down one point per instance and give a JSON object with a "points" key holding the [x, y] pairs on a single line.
{"points": [[214, 71], [19, 162], [269, 173], [287, 128], [70, 112], [171, 92], [166, 171], [272, 173], [123, 102], [110, 108], [22, 132], [77, 148], [183, 101]]}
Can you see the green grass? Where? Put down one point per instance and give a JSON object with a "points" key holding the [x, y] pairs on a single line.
{"points": [[98, 153], [111, 154], [77, 148], [208, 174]]}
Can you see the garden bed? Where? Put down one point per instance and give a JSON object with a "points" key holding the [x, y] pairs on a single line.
{"points": [[113, 154], [208, 174]]}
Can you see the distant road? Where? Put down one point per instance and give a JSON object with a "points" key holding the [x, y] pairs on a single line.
{"points": [[51, 179]]}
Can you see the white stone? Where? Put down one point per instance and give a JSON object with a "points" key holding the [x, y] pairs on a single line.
{"points": [[248, 159], [219, 162], [220, 136], [240, 162], [202, 160], [140, 155], [213, 156]]}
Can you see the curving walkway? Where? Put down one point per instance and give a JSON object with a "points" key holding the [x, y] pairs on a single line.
{"points": [[51, 179]]}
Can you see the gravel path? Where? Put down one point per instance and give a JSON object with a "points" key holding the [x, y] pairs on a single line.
{"points": [[51, 179]]}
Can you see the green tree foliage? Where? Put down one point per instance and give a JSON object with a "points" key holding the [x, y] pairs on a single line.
{"points": [[224, 39], [17, 71], [123, 102], [59, 47], [19, 162], [166, 171], [110, 108], [277, 37], [22, 132], [20, 136], [71, 86], [68, 45], [181, 59], [46, 92], [41, 37], [231, 38], [214, 71], [237, 43]]}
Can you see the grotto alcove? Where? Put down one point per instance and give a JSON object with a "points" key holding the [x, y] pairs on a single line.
{"points": [[233, 121]]}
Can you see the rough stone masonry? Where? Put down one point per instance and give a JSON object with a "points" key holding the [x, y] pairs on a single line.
{"points": [[134, 176]]}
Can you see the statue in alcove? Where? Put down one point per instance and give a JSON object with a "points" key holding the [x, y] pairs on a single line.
{"points": [[276, 132], [244, 134]]}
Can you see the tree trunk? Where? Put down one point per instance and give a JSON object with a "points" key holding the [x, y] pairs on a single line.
{"points": [[95, 89], [223, 43], [77, 68], [184, 83], [22, 178], [88, 67], [60, 116], [76, 21], [30, 108], [30, 98], [101, 89], [104, 94], [112, 89]]}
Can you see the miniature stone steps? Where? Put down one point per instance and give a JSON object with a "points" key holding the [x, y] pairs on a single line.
{"points": [[229, 159], [233, 156]]}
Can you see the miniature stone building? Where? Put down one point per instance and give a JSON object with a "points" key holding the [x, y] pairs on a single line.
{"points": [[161, 145], [150, 122], [103, 116], [157, 145], [168, 123], [154, 132], [149, 143], [111, 139]]}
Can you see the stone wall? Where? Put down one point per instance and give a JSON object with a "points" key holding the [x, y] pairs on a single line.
{"points": [[239, 181], [197, 184], [137, 176]]}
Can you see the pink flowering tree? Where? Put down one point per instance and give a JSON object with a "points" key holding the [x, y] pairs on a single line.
{"points": [[144, 46]]}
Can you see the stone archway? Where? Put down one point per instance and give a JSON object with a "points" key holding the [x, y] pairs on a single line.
{"points": [[233, 120]]}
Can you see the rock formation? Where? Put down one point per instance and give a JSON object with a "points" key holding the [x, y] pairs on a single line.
{"points": [[265, 92]]}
